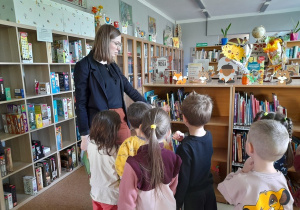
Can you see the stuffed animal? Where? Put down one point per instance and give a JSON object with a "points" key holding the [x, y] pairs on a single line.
{"points": [[178, 77], [284, 77]]}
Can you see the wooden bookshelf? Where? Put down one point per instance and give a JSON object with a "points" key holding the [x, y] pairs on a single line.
{"points": [[221, 124], [19, 75]]}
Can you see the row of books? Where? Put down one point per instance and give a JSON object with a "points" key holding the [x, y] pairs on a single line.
{"points": [[239, 154], [59, 81], [246, 106], [212, 56], [64, 51], [293, 52], [173, 99], [15, 120]]}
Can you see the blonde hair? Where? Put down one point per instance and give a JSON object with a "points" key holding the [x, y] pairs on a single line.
{"points": [[155, 126], [269, 138], [102, 40], [197, 109]]}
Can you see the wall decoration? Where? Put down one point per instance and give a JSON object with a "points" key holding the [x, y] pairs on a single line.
{"points": [[125, 13], [80, 3], [151, 25]]}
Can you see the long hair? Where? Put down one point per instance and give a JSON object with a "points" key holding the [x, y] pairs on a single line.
{"points": [[287, 122], [102, 40], [155, 126], [104, 130]]}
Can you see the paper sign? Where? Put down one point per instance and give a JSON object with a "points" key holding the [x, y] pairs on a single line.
{"points": [[194, 69], [44, 35]]}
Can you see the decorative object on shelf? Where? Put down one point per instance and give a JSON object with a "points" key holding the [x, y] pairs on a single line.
{"points": [[294, 67], [204, 77], [284, 77], [169, 76], [258, 33], [99, 17], [151, 25], [246, 79], [179, 79], [79, 3], [168, 35], [116, 24], [239, 53], [176, 42], [225, 39], [294, 32], [124, 27], [107, 20], [226, 69], [275, 51], [125, 13]]}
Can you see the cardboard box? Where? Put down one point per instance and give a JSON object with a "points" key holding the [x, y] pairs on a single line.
{"points": [[58, 137], [30, 186], [8, 200], [39, 178], [55, 115], [64, 81], [31, 116], [44, 88]]}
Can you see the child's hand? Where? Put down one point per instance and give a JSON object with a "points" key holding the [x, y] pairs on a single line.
{"points": [[248, 165], [166, 108], [298, 150], [178, 136]]}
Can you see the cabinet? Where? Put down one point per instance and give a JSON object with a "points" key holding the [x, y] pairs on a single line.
{"points": [[221, 123], [136, 57], [19, 75]]}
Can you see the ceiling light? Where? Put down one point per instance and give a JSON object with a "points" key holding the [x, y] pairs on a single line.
{"points": [[264, 6], [201, 5]]}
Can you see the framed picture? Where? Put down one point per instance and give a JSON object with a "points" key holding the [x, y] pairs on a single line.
{"points": [[152, 25], [80, 3], [125, 13]]}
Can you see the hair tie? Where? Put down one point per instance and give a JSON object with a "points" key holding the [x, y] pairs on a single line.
{"points": [[266, 113], [285, 119], [153, 126]]}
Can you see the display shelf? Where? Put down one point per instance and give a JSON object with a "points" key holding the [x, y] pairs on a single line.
{"points": [[8, 136], [67, 144], [39, 49], [13, 100], [296, 126], [19, 75], [62, 92], [32, 73], [61, 120], [37, 129], [9, 51], [220, 155], [47, 155]]}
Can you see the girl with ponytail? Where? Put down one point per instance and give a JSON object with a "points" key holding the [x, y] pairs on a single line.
{"points": [[150, 178]]}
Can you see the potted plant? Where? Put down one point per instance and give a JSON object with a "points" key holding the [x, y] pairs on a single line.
{"points": [[225, 39], [294, 33]]}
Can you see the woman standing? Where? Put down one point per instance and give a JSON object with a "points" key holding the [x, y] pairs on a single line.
{"points": [[100, 85]]}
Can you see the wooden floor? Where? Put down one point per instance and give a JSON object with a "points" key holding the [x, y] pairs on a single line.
{"points": [[70, 193]]}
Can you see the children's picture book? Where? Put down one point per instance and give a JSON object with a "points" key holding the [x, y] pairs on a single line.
{"points": [[293, 68]]}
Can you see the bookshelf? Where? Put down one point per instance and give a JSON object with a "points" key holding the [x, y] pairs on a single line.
{"points": [[221, 123], [19, 75]]}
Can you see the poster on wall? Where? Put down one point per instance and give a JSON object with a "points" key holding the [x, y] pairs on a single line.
{"points": [[125, 13], [80, 3], [152, 25]]}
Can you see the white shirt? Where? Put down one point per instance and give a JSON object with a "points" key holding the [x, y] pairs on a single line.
{"points": [[104, 179]]}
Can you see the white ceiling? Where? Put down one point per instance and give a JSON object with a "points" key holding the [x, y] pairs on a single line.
{"points": [[183, 11]]}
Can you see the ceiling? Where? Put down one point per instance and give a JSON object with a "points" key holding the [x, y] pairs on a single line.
{"points": [[184, 11]]}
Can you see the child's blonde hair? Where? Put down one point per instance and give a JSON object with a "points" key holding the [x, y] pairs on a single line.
{"points": [[269, 138], [155, 126], [197, 109]]}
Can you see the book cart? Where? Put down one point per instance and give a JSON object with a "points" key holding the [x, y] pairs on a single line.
{"points": [[221, 123]]}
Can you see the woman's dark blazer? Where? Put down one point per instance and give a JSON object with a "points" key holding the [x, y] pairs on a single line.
{"points": [[91, 96]]}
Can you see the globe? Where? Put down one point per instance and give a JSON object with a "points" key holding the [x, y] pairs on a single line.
{"points": [[258, 32]]}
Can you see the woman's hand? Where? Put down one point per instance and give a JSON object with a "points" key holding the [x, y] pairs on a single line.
{"points": [[248, 165], [179, 136], [84, 142]]}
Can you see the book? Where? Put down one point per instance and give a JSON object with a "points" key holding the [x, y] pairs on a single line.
{"points": [[9, 188], [3, 166], [8, 159], [58, 138], [39, 177]]}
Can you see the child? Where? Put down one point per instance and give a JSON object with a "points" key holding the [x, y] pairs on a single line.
{"points": [[288, 158], [102, 152], [150, 178], [195, 184], [259, 185], [130, 146]]}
